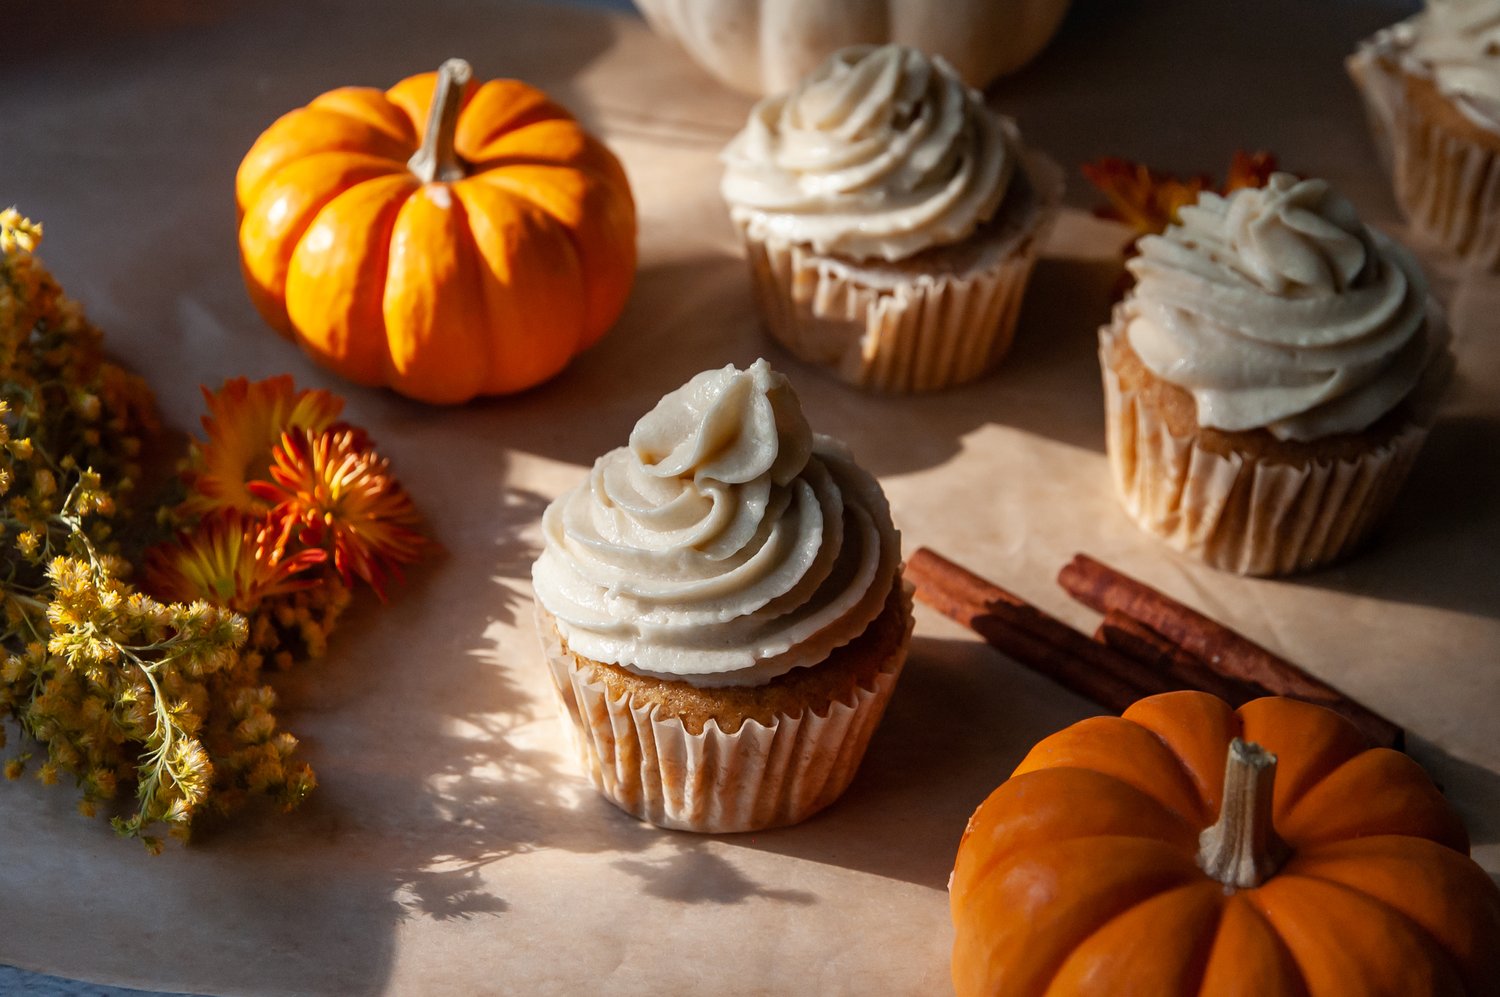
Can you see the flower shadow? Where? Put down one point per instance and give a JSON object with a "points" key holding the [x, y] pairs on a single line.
{"points": [[694, 873]]}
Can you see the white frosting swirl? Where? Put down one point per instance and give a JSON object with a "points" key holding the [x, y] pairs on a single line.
{"points": [[1457, 44], [1277, 309], [881, 152], [726, 545]]}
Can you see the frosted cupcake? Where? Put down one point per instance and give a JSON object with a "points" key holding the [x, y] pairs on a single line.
{"points": [[722, 609], [1431, 85], [1269, 379], [890, 219]]}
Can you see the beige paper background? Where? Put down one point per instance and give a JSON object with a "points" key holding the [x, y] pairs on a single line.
{"points": [[453, 847]]}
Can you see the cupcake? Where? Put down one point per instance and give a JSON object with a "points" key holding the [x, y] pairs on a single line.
{"points": [[1269, 379], [722, 609], [1431, 85], [890, 219]]}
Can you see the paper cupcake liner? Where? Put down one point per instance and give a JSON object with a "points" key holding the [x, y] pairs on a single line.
{"points": [[918, 332], [1237, 513], [759, 777], [1446, 184]]}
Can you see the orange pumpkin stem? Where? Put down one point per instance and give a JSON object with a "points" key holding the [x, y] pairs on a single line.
{"points": [[436, 159], [1242, 849]]}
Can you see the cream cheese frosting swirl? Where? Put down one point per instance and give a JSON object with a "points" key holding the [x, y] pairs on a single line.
{"points": [[880, 153], [1457, 44], [725, 545], [1277, 309]]}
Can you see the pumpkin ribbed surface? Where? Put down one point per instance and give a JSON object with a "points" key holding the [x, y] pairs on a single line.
{"points": [[485, 280], [1080, 874]]}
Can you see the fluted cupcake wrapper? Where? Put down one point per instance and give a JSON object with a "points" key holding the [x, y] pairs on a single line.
{"points": [[1239, 514], [919, 332], [759, 777], [1448, 185]]}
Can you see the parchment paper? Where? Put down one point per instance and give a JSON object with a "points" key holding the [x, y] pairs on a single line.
{"points": [[452, 846]]}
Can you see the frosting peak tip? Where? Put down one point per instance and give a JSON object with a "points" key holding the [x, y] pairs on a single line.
{"points": [[727, 425], [725, 545], [1277, 309], [881, 152]]}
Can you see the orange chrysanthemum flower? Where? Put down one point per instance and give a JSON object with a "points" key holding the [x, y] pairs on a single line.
{"points": [[244, 422], [1149, 201], [1140, 197], [341, 494], [1248, 169], [230, 560]]}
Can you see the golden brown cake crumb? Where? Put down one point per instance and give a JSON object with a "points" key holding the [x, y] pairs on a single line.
{"points": [[812, 688], [1176, 407]]}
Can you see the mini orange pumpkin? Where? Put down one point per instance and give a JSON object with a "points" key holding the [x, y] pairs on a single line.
{"points": [[1128, 855], [475, 257]]}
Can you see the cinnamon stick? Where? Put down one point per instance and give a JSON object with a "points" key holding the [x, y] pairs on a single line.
{"points": [[1133, 638], [1221, 649], [1031, 637]]}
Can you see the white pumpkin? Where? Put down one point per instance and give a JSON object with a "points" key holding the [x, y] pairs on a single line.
{"points": [[766, 46]]}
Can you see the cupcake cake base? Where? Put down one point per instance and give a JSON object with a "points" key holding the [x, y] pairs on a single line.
{"points": [[938, 319], [1444, 167], [730, 759], [1248, 502]]}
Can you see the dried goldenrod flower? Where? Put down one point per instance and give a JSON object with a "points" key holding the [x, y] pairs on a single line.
{"points": [[159, 692]]}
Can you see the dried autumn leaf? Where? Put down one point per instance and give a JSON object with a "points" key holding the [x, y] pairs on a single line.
{"points": [[1149, 201], [1248, 169]]}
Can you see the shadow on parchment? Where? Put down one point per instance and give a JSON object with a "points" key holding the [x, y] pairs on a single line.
{"points": [[962, 717], [695, 314], [1047, 385], [419, 723], [161, 108], [1115, 82], [63, 28], [694, 875], [1446, 514], [1472, 789]]}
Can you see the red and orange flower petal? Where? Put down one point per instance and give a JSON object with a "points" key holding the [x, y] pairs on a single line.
{"points": [[341, 494], [1248, 169], [244, 422], [231, 560], [1149, 201], [1145, 200]]}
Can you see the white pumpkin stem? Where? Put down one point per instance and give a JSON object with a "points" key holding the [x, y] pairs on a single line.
{"points": [[437, 160], [1242, 849]]}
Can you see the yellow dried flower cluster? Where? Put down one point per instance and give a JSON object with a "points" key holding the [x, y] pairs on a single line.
{"points": [[285, 509], [117, 688]]}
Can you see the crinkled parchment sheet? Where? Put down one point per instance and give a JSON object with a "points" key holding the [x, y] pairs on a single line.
{"points": [[453, 847]]}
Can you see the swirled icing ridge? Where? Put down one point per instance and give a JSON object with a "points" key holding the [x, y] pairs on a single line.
{"points": [[1457, 44], [1277, 309], [880, 153], [725, 545]]}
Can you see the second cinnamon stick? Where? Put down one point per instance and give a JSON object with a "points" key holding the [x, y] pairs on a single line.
{"points": [[1221, 649], [1132, 637]]}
